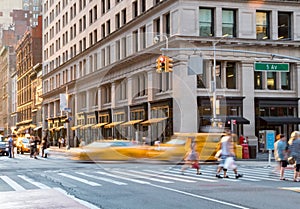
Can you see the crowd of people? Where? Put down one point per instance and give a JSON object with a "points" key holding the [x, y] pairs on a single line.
{"points": [[285, 153], [288, 152]]}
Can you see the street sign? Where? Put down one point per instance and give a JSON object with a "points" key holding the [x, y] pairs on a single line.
{"points": [[271, 67], [270, 138]]}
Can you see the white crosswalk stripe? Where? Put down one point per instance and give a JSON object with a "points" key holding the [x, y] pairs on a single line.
{"points": [[12, 183], [91, 183], [125, 177]]}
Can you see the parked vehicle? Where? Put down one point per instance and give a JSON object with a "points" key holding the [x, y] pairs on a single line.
{"points": [[23, 145], [3, 146]]}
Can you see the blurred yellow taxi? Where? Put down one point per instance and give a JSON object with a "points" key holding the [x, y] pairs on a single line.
{"points": [[109, 150], [173, 150]]}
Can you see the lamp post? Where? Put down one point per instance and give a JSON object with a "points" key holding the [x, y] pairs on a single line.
{"points": [[214, 82], [157, 38]]}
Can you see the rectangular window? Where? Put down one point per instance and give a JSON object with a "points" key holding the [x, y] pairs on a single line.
{"points": [[271, 80], [135, 41], [284, 25], [134, 9], [285, 81], [166, 22], [228, 22], [206, 22], [156, 25], [231, 75], [117, 21], [262, 25], [123, 13], [257, 79]]}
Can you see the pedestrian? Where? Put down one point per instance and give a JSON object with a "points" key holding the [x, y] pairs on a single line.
{"points": [[32, 144], [191, 159], [295, 153], [227, 157], [35, 148], [59, 142], [10, 147], [276, 157], [282, 150], [44, 146]]}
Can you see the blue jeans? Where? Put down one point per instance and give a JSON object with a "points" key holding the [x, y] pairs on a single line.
{"points": [[10, 152]]}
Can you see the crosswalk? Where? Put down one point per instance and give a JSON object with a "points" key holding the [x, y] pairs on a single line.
{"points": [[126, 177]]}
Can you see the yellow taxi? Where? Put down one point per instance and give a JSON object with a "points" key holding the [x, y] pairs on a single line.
{"points": [[23, 145], [109, 150]]}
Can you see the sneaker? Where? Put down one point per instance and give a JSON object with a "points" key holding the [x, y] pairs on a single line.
{"points": [[238, 176], [227, 177], [219, 176]]}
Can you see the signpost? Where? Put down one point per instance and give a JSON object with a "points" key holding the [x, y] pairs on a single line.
{"points": [[270, 139], [271, 67]]}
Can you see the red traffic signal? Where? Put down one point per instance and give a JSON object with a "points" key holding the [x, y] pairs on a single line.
{"points": [[160, 64]]}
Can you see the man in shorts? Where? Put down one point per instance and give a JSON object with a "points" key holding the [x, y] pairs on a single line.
{"points": [[282, 155]]}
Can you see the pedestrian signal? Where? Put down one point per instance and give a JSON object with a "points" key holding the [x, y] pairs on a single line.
{"points": [[160, 64], [169, 65]]}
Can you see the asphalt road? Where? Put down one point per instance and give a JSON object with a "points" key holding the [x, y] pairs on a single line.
{"points": [[115, 185]]}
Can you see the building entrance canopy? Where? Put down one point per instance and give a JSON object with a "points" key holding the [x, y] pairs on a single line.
{"points": [[280, 120]]}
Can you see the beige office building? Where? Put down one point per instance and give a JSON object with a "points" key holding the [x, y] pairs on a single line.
{"points": [[102, 55]]}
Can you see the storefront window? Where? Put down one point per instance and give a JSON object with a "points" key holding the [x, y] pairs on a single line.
{"points": [[206, 22]]}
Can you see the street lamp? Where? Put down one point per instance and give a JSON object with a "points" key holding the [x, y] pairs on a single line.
{"points": [[214, 82], [157, 39]]}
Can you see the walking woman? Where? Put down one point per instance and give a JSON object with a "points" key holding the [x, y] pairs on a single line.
{"points": [[191, 160]]}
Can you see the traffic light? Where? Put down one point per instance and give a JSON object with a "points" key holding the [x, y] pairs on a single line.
{"points": [[160, 64], [169, 65]]}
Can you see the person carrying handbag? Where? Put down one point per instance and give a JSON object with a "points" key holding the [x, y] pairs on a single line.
{"points": [[227, 157], [191, 160]]}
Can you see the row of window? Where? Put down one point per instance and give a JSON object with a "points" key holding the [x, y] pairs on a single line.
{"points": [[207, 23], [227, 78]]}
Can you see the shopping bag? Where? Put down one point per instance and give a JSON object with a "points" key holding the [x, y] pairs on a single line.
{"points": [[229, 163]]}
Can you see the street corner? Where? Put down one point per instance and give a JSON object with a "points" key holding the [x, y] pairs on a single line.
{"points": [[41, 198], [294, 189]]}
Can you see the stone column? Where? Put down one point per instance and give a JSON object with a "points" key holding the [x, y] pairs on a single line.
{"points": [[185, 110], [247, 87]]}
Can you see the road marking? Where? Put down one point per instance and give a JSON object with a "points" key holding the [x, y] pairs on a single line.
{"points": [[295, 189], [162, 175], [37, 184], [102, 178], [144, 177], [91, 183], [199, 196], [12, 183], [120, 177], [189, 177]]}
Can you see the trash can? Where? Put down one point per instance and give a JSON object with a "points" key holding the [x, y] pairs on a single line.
{"points": [[252, 152]]}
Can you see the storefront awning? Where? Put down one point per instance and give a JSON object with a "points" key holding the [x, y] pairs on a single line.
{"points": [[75, 127], [98, 125], [153, 120], [58, 128], [113, 124], [280, 120], [227, 119], [86, 126], [37, 128], [132, 122]]}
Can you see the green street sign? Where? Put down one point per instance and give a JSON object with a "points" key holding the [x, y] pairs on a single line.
{"points": [[271, 67]]}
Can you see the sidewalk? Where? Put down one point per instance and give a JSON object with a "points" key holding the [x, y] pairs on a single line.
{"points": [[40, 199]]}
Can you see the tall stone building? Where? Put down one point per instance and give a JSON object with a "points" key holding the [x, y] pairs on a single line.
{"points": [[102, 54], [28, 52]]}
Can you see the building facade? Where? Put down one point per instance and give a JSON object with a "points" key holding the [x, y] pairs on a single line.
{"points": [[28, 52], [102, 55]]}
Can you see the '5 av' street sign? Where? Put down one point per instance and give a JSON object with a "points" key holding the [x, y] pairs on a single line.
{"points": [[271, 67]]}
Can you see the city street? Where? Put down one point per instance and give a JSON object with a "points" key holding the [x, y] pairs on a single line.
{"points": [[58, 182]]}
